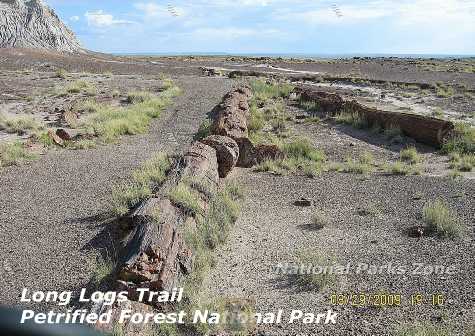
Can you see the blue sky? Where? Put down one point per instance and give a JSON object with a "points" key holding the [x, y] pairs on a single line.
{"points": [[273, 26]]}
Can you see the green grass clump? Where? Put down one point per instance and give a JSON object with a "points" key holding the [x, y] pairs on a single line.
{"points": [[312, 258], [256, 120], [144, 181], [14, 154], [135, 97], [186, 198], [410, 155], [444, 91], [302, 148], [319, 221], [357, 166], [126, 196], [422, 329], [81, 86], [442, 220], [18, 125], [61, 73], [264, 91], [351, 118], [309, 106], [110, 122], [222, 213], [204, 130], [462, 162], [81, 144], [212, 230], [402, 168], [463, 140], [104, 268]]}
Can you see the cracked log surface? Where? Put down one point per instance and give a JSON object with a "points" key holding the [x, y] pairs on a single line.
{"points": [[427, 130]]}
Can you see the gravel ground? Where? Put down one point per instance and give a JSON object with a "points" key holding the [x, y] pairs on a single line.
{"points": [[272, 230], [51, 210]]}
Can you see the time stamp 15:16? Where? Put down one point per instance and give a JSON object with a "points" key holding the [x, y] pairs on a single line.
{"points": [[386, 299]]}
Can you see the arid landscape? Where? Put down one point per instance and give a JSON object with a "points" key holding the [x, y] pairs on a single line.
{"points": [[230, 195], [341, 193]]}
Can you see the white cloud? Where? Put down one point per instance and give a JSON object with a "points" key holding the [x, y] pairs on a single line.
{"points": [[74, 18], [101, 19]]}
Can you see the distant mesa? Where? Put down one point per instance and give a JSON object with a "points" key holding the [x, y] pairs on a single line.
{"points": [[32, 24]]}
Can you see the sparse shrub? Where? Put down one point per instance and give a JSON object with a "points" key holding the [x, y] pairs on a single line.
{"points": [[110, 122], [319, 220], [366, 158], [88, 106], [351, 118], [204, 130], [462, 162], [81, 144], [80, 86], [302, 148], [422, 329], [438, 113], [401, 168], [410, 155], [444, 91], [144, 180], [463, 140], [14, 154], [357, 167], [393, 133], [211, 231], [186, 198], [267, 90], [136, 97], [125, 196], [18, 125], [309, 106], [104, 268], [440, 218], [256, 119], [312, 169], [312, 259], [269, 166], [61, 73]]}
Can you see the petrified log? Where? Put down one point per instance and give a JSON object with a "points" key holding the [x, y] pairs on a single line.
{"points": [[230, 119], [327, 102], [227, 151], [427, 130], [200, 163], [156, 255]]}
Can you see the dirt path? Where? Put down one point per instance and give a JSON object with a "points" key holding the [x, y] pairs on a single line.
{"points": [[272, 230], [51, 210]]}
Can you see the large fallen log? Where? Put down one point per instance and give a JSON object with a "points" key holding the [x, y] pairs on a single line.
{"points": [[156, 255], [427, 130], [230, 120]]}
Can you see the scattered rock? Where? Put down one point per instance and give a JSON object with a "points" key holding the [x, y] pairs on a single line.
{"points": [[303, 202], [56, 139], [63, 135], [69, 118]]}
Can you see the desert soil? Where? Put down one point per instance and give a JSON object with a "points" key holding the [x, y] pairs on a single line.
{"points": [[54, 212]]}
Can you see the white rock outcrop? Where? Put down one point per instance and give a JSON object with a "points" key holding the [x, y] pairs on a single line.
{"points": [[32, 24]]}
